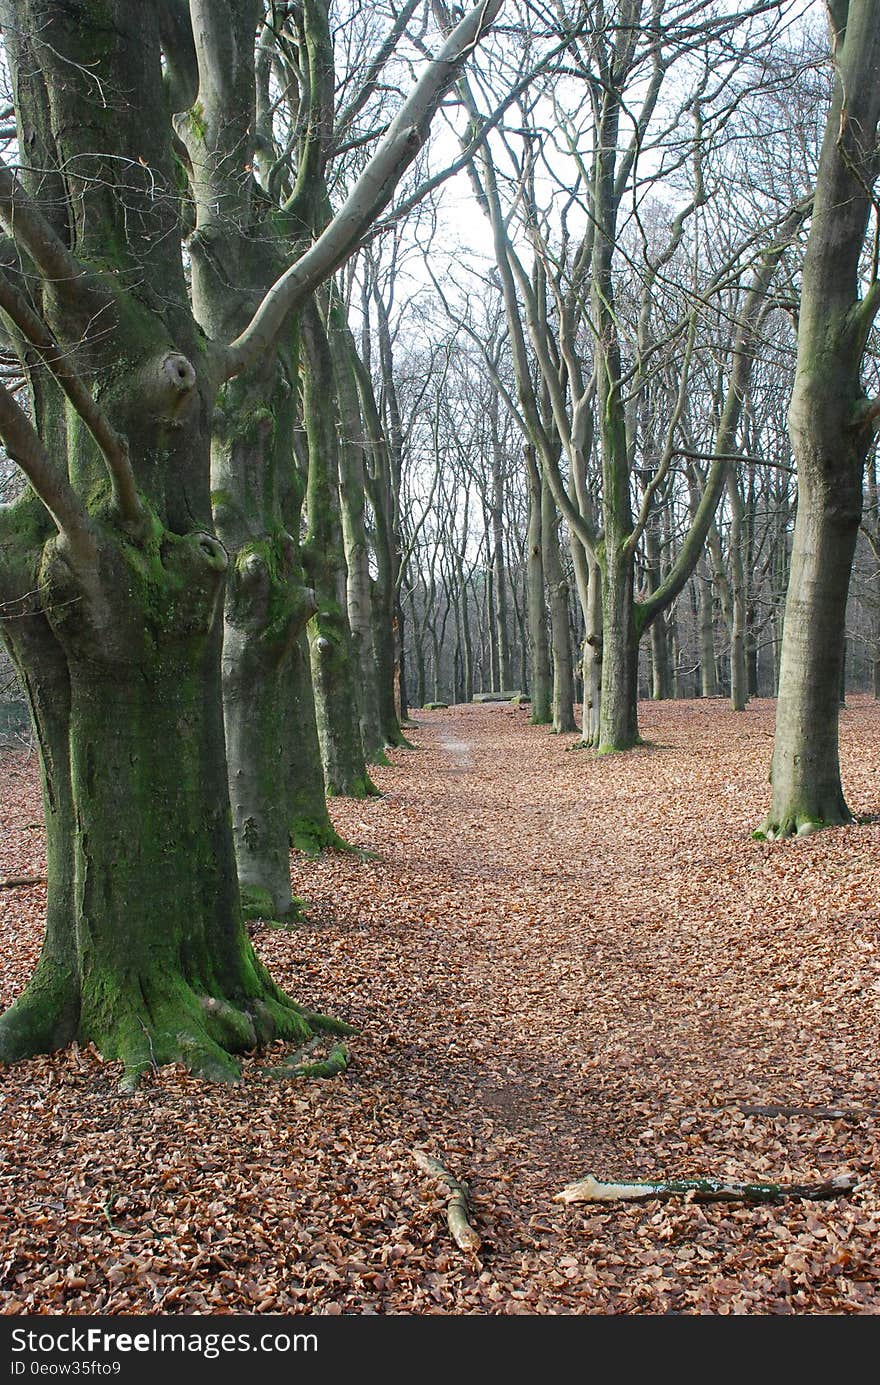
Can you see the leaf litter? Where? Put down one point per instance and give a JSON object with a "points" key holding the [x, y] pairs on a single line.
{"points": [[560, 966]]}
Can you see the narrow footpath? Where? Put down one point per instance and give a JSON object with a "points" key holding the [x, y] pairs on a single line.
{"points": [[559, 965]]}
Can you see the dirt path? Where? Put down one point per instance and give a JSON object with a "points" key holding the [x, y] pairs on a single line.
{"points": [[559, 965]]}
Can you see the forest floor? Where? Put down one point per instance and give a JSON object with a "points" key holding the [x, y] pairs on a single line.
{"points": [[559, 965]]}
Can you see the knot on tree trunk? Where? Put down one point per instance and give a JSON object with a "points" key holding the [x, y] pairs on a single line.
{"points": [[167, 386]]}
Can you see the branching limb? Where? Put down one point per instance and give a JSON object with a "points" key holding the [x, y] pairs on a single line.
{"points": [[368, 86], [37, 238], [113, 447], [370, 195], [52, 487]]}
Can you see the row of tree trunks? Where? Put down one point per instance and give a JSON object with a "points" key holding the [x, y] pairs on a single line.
{"points": [[111, 557]]}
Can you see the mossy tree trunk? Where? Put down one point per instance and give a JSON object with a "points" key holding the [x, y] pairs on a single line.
{"points": [[386, 504], [310, 827], [256, 491], [146, 953], [831, 425], [334, 671], [386, 612], [706, 621], [618, 719], [352, 491], [117, 573], [47, 1016], [661, 665]]}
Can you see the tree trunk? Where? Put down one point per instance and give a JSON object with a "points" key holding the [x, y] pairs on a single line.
{"points": [[334, 678], [146, 954], [738, 670], [831, 428], [261, 732], [619, 726], [807, 791], [467, 639], [352, 477], [46, 1016], [496, 510], [390, 460], [557, 589], [706, 619], [266, 609], [539, 649], [592, 658], [141, 830], [310, 827], [658, 635]]}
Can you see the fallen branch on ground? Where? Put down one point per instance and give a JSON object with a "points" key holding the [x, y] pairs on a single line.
{"points": [[19, 882], [818, 1113], [457, 1212], [703, 1190]]}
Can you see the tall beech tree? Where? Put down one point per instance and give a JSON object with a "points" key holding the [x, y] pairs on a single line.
{"points": [[238, 245], [334, 666], [111, 553], [831, 424]]}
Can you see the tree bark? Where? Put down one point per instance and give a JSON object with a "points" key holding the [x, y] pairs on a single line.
{"points": [[539, 649], [352, 491], [739, 693], [831, 428], [337, 705], [557, 591]]}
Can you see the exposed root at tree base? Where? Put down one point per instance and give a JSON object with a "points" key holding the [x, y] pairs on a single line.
{"points": [[43, 1019], [311, 837], [799, 826], [146, 1027]]}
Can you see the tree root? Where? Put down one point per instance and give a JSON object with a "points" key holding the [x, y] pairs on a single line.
{"points": [[834, 813], [328, 1024], [457, 1211], [331, 1066], [336, 1062], [43, 1019], [201, 1018], [204, 1032], [311, 837], [257, 905], [796, 827], [703, 1190]]}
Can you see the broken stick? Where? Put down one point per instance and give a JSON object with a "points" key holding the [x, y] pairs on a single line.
{"points": [[817, 1113], [703, 1190], [20, 882], [457, 1211]]}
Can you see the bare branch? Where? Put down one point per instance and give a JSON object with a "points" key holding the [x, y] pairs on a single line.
{"points": [[369, 196], [52, 487], [113, 447], [42, 244]]}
